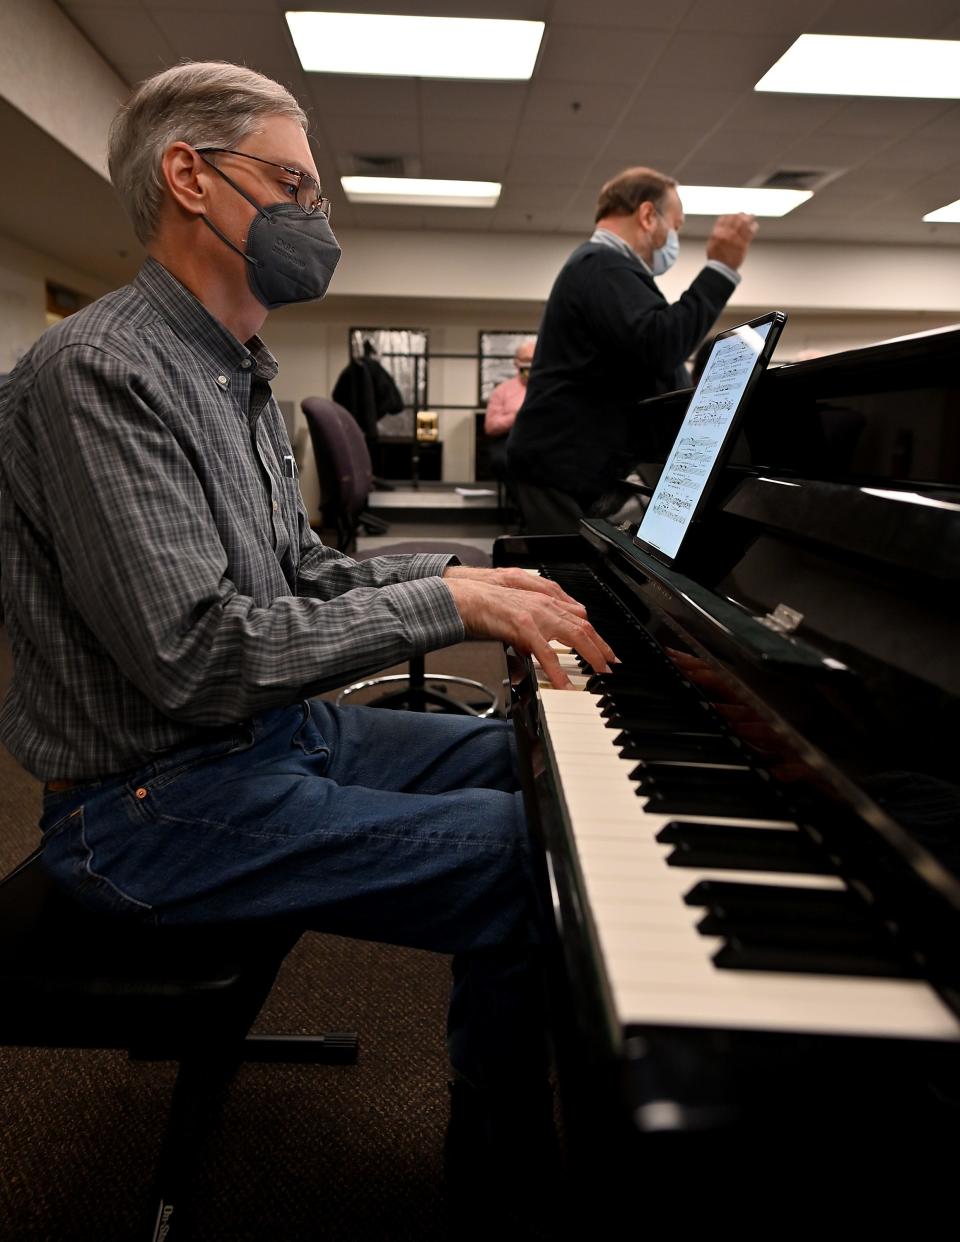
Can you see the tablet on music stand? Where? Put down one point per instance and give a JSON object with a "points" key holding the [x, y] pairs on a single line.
{"points": [[736, 361]]}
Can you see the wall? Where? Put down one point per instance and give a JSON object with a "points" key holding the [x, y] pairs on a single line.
{"points": [[23, 299], [53, 75]]}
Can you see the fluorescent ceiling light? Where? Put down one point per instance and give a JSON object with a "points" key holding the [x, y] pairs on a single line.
{"points": [[944, 215], [720, 200], [858, 65], [416, 47], [421, 192]]}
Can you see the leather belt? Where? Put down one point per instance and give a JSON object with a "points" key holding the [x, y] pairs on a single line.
{"points": [[62, 786]]}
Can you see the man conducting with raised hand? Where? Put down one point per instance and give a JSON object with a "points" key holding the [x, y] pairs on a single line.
{"points": [[171, 612], [608, 339]]}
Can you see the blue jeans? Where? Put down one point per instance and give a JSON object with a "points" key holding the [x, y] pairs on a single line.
{"points": [[393, 826]]}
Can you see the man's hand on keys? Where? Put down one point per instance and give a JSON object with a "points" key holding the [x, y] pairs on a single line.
{"points": [[527, 612]]}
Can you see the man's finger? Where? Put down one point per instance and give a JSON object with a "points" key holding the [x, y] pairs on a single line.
{"points": [[546, 657], [587, 643]]}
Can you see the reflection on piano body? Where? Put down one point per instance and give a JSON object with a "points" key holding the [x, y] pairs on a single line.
{"points": [[751, 828]]}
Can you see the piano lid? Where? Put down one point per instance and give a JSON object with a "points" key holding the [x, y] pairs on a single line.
{"points": [[887, 412]]}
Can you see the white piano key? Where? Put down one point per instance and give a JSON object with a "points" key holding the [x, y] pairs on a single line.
{"points": [[659, 967]]}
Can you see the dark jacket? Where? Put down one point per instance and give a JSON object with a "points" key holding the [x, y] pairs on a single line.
{"points": [[608, 339], [367, 390]]}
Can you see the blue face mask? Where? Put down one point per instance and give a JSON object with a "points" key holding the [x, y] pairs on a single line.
{"points": [[665, 256]]}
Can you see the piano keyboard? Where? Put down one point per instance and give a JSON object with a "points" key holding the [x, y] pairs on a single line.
{"points": [[652, 873]]}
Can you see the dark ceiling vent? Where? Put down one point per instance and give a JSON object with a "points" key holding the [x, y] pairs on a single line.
{"points": [[378, 165], [797, 178]]}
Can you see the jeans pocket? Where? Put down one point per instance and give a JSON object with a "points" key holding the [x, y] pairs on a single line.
{"points": [[308, 737], [70, 858]]}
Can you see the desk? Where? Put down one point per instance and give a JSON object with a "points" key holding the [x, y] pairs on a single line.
{"points": [[432, 503], [392, 456]]}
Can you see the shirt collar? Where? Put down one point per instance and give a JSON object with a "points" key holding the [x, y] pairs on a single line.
{"points": [[604, 237], [195, 325]]}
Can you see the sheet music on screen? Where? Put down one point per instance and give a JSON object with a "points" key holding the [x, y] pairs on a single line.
{"points": [[709, 415]]}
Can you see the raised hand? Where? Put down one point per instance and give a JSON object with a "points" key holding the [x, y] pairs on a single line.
{"points": [[731, 238]]}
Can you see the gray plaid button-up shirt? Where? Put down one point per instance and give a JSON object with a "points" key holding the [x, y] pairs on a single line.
{"points": [[159, 576]]}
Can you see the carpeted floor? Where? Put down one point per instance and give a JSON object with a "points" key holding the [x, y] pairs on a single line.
{"points": [[339, 1153]]}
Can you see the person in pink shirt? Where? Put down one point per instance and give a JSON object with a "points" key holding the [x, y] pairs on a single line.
{"points": [[508, 397], [504, 402]]}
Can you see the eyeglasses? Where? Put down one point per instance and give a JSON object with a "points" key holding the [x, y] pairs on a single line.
{"points": [[308, 196]]}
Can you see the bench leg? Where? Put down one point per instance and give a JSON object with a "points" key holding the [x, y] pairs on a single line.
{"points": [[197, 1093]]}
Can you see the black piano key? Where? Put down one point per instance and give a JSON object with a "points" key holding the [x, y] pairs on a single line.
{"points": [[784, 932], [746, 903], [725, 779], [679, 746], [732, 836], [699, 802], [654, 718], [744, 953], [716, 892], [756, 857], [607, 684]]}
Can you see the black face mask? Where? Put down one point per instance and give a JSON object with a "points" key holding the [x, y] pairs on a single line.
{"points": [[290, 256]]}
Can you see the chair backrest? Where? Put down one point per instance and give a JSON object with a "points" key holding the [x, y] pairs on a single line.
{"points": [[343, 465]]}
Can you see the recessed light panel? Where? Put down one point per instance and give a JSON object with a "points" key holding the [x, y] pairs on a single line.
{"points": [[384, 45], [944, 215], [720, 200], [421, 192], [857, 65]]}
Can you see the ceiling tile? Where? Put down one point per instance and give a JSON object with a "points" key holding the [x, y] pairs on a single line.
{"points": [[560, 140], [920, 19], [544, 220], [258, 42], [702, 60], [535, 166], [623, 14], [916, 153], [754, 17], [781, 114], [129, 41], [651, 145], [463, 165], [688, 109], [344, 95], [466, 136], [946, 125], [537, 197], [372, 136], [886, 118], [490, 101], [594, 54], [577, 103], [830, 151]]}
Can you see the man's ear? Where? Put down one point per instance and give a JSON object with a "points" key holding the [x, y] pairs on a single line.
{"points": [[647, 214], [184, 172]]}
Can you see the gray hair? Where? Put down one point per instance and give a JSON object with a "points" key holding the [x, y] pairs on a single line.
{"points": [[205, 103]]}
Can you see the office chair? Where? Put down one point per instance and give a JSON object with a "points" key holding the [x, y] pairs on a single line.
{"points": [[73, 979], [345, 472]]}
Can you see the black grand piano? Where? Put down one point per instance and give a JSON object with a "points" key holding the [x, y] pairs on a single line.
{"points": [[751, 829]]}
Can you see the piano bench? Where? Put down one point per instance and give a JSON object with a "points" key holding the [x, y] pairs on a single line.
{"points": [[73, 979]]}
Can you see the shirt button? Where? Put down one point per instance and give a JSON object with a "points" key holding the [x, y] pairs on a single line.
{"points": [[246, 364], [275, 506], [222, 380]]}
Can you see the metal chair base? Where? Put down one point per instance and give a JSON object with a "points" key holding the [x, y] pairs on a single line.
{"points": [[418, 697]]}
